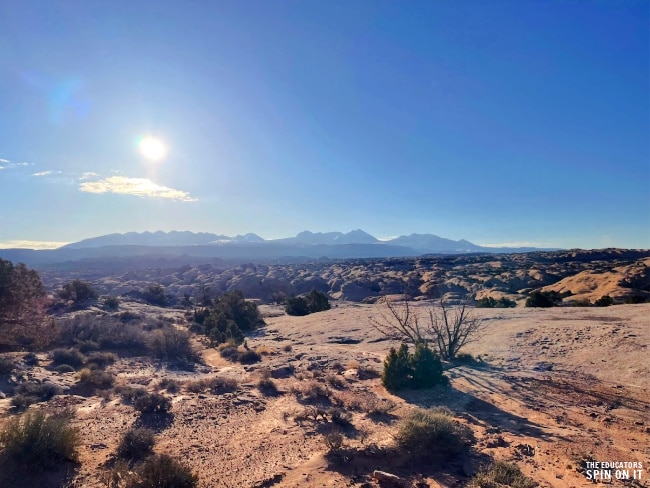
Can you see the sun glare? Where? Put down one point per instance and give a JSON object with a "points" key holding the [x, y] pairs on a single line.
{"points": [[152, 148]]}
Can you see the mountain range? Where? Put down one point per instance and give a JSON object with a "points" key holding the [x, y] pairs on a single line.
{"points": [[203, 245]]}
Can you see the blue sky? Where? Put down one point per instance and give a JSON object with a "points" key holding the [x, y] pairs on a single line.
{"points": [[498, 122]]}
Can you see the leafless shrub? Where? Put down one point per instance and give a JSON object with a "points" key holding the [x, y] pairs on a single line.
{"points": [[448, 327]]}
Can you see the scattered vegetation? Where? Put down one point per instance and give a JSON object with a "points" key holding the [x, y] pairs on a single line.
{"points": [[489, 302], [432, 434], [499, 474], [40, 442], [30, 392]]}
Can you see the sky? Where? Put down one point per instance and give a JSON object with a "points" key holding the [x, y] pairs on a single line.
{"points": [[501, 122]]}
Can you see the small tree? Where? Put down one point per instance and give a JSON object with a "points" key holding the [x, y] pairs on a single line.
{"points": [[317, 301], [604, 301], [297, 306], [426, 367], [397, 369], [453, 327], [78, 291]]}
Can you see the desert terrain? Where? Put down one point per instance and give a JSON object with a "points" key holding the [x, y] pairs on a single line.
{"points": [[548, 390]]}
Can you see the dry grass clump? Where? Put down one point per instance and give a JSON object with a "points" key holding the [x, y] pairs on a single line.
{"points": [[216, 384], [136, 444], [266, 385], [336, 381], [130, 394], [432, 433], [33, 392], [39, 442], [173, 345], [152, 403], [161, 470], [108, 332], [96, 378], [499, 474], [72, 357], [264, 350], [100, 359], [170, 384], [311, 391]]}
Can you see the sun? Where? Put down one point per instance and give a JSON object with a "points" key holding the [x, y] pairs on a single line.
{"points": [[152, 148]]}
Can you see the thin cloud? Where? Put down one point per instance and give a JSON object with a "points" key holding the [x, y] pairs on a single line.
{"points": [[87, 175], [141, 187], [46, 173], [31, 244], [6, 164]]}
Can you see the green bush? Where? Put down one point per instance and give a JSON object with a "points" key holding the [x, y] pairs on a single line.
{"points": [[314, 301], [152, 403], [499, 474], [136, 444], [489, 302], [64, 368], [78, 291], [96, 379], [228, 318], [422, 369], [162, 471], [545, 299], [155, 295], [297, 306], [111, 303], [39, 442], [604, 301], [432, 434], [397, 369]]}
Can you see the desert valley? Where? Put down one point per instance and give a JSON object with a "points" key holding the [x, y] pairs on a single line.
{"points": [[138, 365]]}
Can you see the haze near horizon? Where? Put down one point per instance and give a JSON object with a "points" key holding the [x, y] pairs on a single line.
{"points": [[504, 123]]}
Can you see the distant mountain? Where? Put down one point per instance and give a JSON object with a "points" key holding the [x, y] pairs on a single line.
{"points": [[330, 238], [175, 245], [159, 238], [429, 243]]}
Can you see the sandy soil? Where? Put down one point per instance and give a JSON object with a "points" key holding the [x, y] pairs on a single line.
{"points": [[551, 387]]}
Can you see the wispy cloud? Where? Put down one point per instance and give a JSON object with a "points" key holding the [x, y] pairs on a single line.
{"points": [[31, 244], [88, 175], [6, 164], [46, 173], [141, 187]]}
